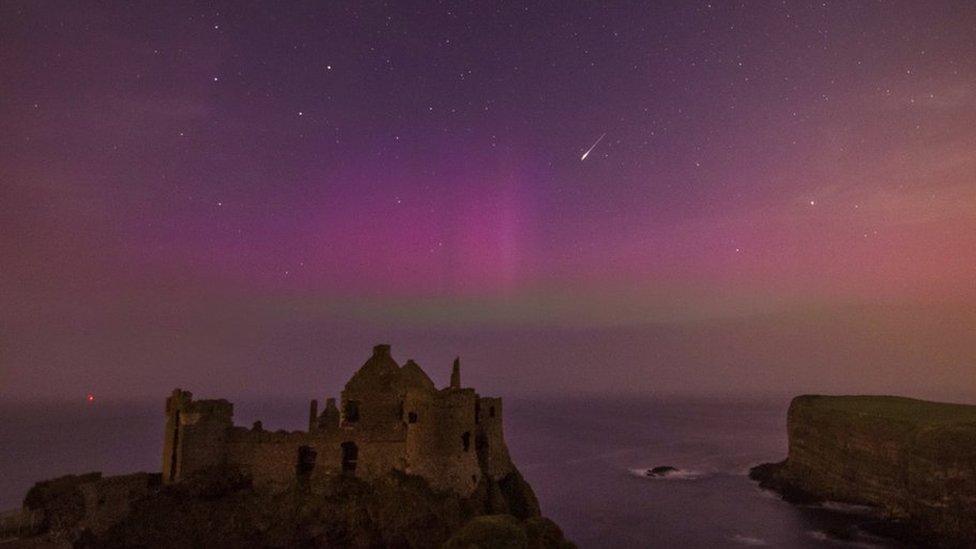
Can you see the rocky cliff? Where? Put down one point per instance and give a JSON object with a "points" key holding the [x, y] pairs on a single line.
{"points": [[223, 508], [913, 460]]}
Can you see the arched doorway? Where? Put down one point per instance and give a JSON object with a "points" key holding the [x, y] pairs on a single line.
{"points": [[350, 454]]}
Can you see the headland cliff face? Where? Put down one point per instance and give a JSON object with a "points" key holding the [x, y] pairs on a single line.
{"points": [[913, 460]]}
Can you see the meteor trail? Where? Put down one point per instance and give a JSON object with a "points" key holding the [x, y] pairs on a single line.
{"points": [[595, 143]]}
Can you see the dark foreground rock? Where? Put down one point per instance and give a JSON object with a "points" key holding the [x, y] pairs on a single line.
{"points": [[223, 509], [770, 476], [914, 461]]}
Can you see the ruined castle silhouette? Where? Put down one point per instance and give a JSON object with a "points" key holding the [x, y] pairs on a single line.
{"points": [[391, 418]]}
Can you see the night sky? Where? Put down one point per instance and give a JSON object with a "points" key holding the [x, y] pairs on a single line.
{"points": [[242, 198]]}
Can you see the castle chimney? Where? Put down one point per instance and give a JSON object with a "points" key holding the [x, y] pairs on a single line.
{"points": [[381, 351], [456, 374], [313, 416]]}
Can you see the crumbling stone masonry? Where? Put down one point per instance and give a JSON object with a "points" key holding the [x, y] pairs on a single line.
{"points": [[390, 417]]}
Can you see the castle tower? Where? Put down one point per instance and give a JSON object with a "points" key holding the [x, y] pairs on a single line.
{"points": [[195, 434], [456, 374], [175, 405]]}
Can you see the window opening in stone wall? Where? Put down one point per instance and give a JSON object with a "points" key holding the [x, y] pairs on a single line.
{"points": [[466, 440], [351, 413], [176, 443], [306, 461], [412, 417], [491, 411], [350, 455]]}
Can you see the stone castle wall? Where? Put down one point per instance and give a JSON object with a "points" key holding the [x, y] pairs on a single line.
{"points": [[273, 457], [390, 418], [494, 452], [441, 443], [195, 434]]}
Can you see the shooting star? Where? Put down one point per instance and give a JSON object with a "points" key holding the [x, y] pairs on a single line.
{"points": [[595, 143]]}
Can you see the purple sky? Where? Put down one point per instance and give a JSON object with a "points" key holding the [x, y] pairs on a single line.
{"points": [[242, 199]]}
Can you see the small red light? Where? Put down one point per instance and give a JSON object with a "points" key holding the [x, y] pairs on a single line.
{"points": [[91, 397]]}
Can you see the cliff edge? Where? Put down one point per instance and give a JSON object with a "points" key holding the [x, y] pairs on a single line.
{"points": [[224, 508], [399, 464], [913, 460]]}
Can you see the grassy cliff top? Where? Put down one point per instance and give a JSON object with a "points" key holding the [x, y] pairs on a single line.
{"points": [[921, 412]]}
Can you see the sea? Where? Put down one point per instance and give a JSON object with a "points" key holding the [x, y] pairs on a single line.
{"points": [[586, 458]]}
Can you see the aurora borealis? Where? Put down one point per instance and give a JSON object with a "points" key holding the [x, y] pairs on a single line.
{"points": [[244, 199]]}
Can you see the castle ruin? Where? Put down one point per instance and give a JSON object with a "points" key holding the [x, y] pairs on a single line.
{"points": [[389, 417]]}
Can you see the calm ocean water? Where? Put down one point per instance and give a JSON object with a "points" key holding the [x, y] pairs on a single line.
{"points": [[583, 457]]}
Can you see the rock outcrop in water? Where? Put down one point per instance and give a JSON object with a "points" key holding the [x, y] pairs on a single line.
{"points": [[661, 471], [913, 460]]}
